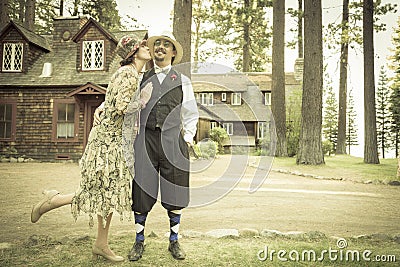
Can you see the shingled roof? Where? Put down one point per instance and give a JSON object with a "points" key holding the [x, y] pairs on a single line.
{"points": [[221, 82], [28, 35], [88, 24], [252, 108]]}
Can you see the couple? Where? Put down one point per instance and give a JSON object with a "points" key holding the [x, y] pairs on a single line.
{"points": [[168, 121]]}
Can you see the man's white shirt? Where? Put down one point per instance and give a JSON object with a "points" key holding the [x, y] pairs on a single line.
{"points": [[189, 111]]}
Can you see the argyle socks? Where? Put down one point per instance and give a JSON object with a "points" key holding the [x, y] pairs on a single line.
{"points": [[174, 223], [140, 221]]}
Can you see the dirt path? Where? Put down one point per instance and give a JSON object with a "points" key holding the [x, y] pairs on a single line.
{"points": [[284, 203]]}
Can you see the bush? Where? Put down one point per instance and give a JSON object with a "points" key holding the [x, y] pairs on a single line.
{"points": [[206, 149], [263, 147], [327, 147], [292, 139], [219, 135]]}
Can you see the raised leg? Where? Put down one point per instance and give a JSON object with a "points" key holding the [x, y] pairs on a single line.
{"points": [[51, 200]]}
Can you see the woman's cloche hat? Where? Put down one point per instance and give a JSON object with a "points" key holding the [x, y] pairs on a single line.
{"points": [[127, 46], [170, 37]]}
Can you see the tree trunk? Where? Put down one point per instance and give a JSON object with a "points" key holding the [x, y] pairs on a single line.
{"points": [[30, 15], [4, 18], [182, 29], [344, 55], [61, 8], [197, 43], [300, 52], [310, 143], [370, 139], [398, 168], [197, 20], [396, 146], [278, 77], [246, 40], [196, 48], [21, 13]]}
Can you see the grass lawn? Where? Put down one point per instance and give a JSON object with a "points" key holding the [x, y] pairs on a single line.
{"points": [[344, 167], [246, 251], [48, 250]]}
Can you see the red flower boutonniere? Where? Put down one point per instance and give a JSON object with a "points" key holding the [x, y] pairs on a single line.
{"points": [[173, 77]]}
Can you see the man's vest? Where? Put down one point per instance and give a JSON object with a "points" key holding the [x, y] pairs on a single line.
{"points": [[164, 107]]}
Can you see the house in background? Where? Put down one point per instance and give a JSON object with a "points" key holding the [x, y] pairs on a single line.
{"points": [[51, 85], [238, 102]]}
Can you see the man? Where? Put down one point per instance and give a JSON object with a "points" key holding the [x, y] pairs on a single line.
{"points": [[167, 127]]}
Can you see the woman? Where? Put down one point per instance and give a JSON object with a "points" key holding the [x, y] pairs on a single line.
{"points": [[105, 185]]}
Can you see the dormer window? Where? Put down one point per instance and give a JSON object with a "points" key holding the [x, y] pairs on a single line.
{"points": [[236, 99], [12, 57], [93, 55]]}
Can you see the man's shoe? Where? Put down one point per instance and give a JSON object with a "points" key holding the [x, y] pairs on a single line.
{"points": [[176, 250], [137, 251]]}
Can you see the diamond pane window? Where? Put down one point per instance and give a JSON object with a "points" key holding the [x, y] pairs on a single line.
{"points": [[12, 57], [93, 55]]}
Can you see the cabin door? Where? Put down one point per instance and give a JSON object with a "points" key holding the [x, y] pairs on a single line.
{"points": [[90, 107]]}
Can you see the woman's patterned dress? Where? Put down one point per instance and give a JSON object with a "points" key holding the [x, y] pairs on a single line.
{"points": [[106, 178]]}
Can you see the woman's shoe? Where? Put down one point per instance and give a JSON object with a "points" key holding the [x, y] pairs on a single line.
{"points": [[100, 252], [48, 195]]}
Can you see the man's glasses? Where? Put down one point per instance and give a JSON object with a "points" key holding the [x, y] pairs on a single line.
{"points": [[165, 43]]}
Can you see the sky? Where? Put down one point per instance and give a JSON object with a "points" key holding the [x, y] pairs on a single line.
{"points": [[156, 16]]}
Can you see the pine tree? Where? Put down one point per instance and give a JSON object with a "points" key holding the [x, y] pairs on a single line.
{"points": [[383, 116], [344, 56], [395, 86], [370, 140], [310, 144], [352, 131], [45, 12], [200, 14], [240, 28], [395, 112], [103, 11], [16, 10], [293, 121], [330, 123], [182, 29], [278, 77], [348, 34]]}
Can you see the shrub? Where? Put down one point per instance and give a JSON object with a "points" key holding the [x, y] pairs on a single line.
{"points": [[327, 147], [219, 135], [263, 147], [206, 149]]}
